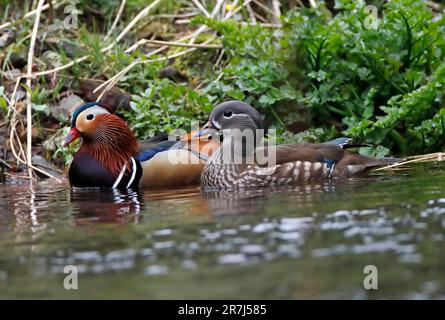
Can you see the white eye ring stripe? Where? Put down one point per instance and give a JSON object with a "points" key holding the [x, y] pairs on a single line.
{"points": [[216, 124]]}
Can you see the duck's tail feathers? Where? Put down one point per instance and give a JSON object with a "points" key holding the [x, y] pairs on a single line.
{"points": [[363, 168], [384, 161]]}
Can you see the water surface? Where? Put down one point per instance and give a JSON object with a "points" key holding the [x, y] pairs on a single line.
{"points": [[308, 242]]}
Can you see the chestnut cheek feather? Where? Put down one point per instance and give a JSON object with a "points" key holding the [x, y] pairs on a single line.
{"points": [[115, 143]]}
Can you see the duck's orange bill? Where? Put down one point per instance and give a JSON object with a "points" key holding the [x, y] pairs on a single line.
{"points": [[73, 135], [203, 144]]}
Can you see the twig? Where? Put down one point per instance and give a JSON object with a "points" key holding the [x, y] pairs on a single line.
{"points": [[28, 91], [112, 81], [142, 14], [433, 5], [232, 7], [233, 12], [116, 20], [260, 17], [276, 9], [264, 25], [15, 176], [300, 3], [264, 7], [218, 77], [438, 156], [264, 22], [179, 44], [251, 13], [140, 43], [13, 100], [171, 56], [201, 29], [14, 136], [27, 15], [5, 163], [177, 16], [218, 60], [201, 7]]}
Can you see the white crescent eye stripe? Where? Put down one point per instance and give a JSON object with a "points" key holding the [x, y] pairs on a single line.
{"points": [[216, 124]]}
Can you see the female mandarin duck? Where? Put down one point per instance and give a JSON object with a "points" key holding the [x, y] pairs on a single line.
{"points": [[238, 164], [110, 156]]}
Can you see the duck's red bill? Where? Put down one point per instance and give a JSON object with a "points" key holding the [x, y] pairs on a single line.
{"points": [[73, 135]]}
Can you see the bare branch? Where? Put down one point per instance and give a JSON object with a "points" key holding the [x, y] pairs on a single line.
{"points": [[28, 92], [116, 20], [201, 7]]}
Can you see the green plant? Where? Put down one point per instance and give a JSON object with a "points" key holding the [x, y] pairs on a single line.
{"points": [[379, 85], [3, 102], [258, 67], [165, 106], [376, 85]]}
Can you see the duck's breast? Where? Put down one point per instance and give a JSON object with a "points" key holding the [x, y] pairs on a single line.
{"points": [[171, 168], [85, 171]]}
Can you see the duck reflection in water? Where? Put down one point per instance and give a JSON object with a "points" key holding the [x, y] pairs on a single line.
{"points": [[129, 206], [256, 201], [94, 205]]}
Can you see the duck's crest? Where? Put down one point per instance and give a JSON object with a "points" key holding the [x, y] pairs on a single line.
{"points": [[87, 106]]}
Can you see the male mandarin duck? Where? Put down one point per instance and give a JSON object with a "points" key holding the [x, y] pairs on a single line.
{"points": [[110, 155], [236, 164]]}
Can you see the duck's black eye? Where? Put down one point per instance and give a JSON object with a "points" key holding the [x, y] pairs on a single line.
{"points": [[90, 116], [228, 114]]}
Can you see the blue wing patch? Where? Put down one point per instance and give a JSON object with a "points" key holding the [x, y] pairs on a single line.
{"points": [[151, 151], [329, 163], [341, 142]]}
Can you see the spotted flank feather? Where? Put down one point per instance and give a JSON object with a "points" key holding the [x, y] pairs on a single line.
{"points": [[287, 174]]}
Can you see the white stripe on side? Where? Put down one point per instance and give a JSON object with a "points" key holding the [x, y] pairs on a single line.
{"points": [[133, 172], [330, 171], [119, 177]]}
